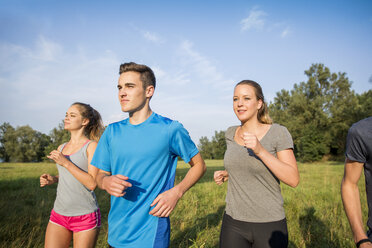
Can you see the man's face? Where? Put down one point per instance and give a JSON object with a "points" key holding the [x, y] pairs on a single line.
{"points": [[132, 96]]}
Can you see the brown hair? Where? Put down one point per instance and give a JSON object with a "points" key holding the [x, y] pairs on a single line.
{"points": [[263, 113], [95, 127], [146, 74]]}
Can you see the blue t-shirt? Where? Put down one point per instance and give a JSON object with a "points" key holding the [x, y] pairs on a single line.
{"points": [[147, 154]]}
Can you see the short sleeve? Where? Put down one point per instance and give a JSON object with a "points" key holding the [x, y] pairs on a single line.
{"points": [[355, 147], [285, 139], [102, 156], [181, 143]]}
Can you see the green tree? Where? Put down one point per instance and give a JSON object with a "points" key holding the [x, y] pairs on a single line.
{"points": [[214, 149], [218, 145], [4, 128], [317, 113], [24, 144], [205, 148], [365, 104]]}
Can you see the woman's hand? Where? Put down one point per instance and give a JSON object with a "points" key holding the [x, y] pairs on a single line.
{"points": [[250, 141], [58, 157], [47, 179], [220, 177]]}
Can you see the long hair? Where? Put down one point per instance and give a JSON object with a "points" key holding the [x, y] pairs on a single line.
{"points": [[95, 127], [263, 113]]}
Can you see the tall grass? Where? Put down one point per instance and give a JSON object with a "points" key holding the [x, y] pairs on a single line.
{"points": [[314, 209]]}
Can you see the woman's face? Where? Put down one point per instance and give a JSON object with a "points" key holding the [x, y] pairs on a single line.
{"points": [[245, 102], [73, 119]]}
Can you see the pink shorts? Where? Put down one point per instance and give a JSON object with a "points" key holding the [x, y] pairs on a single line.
{"points": [[77, 223]]}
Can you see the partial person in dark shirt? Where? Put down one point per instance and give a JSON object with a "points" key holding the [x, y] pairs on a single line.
{"points": [[358, 157]]}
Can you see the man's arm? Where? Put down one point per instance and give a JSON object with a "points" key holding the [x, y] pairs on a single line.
{"points": [[351, 200], [166, 201], [112, 184]]}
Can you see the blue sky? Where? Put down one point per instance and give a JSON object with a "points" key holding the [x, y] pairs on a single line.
{"points": [[54, 53]]}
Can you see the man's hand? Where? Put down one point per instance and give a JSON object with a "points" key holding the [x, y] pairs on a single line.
{"points": [[165, 203], [115, 185]]}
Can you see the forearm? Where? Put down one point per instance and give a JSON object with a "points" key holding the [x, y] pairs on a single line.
{"points": [[83, 177], [192, 176], [99, 179], [285, 172], [351, 201]]}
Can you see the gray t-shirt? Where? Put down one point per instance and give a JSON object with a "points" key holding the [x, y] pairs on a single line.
{"points": [[253, 192], [73, 198], [359, 148]]}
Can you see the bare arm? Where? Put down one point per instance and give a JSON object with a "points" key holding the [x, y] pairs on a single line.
{"points": [[351, 199], [166, 201], [284, 166], [86, 178]]}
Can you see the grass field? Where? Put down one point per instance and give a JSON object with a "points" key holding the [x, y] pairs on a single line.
{"points": [[314, 209]]}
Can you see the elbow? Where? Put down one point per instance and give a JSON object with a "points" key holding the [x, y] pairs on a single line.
{"points": [[204, 168], [92, 186], [295, 182]]}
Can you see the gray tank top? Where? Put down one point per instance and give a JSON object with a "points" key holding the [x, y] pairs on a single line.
{"points": [[73, 198]]}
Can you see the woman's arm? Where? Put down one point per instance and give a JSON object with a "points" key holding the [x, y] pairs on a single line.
{"points": [[220, 176], [284, 166], [87, 179]]}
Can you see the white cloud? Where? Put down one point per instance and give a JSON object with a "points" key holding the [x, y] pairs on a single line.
{"points": [[159, 73], [285, 32], [48, 50], [41, 81], [255, 20], [153, 37], [202, 66]]}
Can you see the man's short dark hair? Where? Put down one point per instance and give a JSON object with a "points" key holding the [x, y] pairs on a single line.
{"points": [[146, 74]]}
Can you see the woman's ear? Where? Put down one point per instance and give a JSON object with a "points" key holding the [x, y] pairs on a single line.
{"points": [[85, 122], [260, 104]]}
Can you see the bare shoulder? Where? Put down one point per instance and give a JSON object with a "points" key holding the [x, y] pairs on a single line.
{"points": [[92, 146], [60, 147]]}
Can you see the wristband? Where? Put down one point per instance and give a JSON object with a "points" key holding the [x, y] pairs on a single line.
{"points": [[362, 241]]}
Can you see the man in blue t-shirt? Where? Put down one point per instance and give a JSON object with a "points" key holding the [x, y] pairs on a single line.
{"points": [[358, 156], [137, 158]]}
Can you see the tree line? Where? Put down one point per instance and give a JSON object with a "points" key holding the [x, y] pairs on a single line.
{"points": [[24, 144], [317, 113]]}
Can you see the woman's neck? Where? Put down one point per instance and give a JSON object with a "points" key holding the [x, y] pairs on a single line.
{"points": [[251, 126], [77, 136]]}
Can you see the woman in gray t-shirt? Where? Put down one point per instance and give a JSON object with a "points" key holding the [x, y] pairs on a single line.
{"points": [[259, 155], [75, 214]]}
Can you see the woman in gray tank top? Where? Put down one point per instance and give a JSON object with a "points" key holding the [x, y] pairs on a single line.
{"points": [[75, 214], [259, 155]]}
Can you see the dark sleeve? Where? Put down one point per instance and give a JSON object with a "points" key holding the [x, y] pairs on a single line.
{"points": [[355, 148]]}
